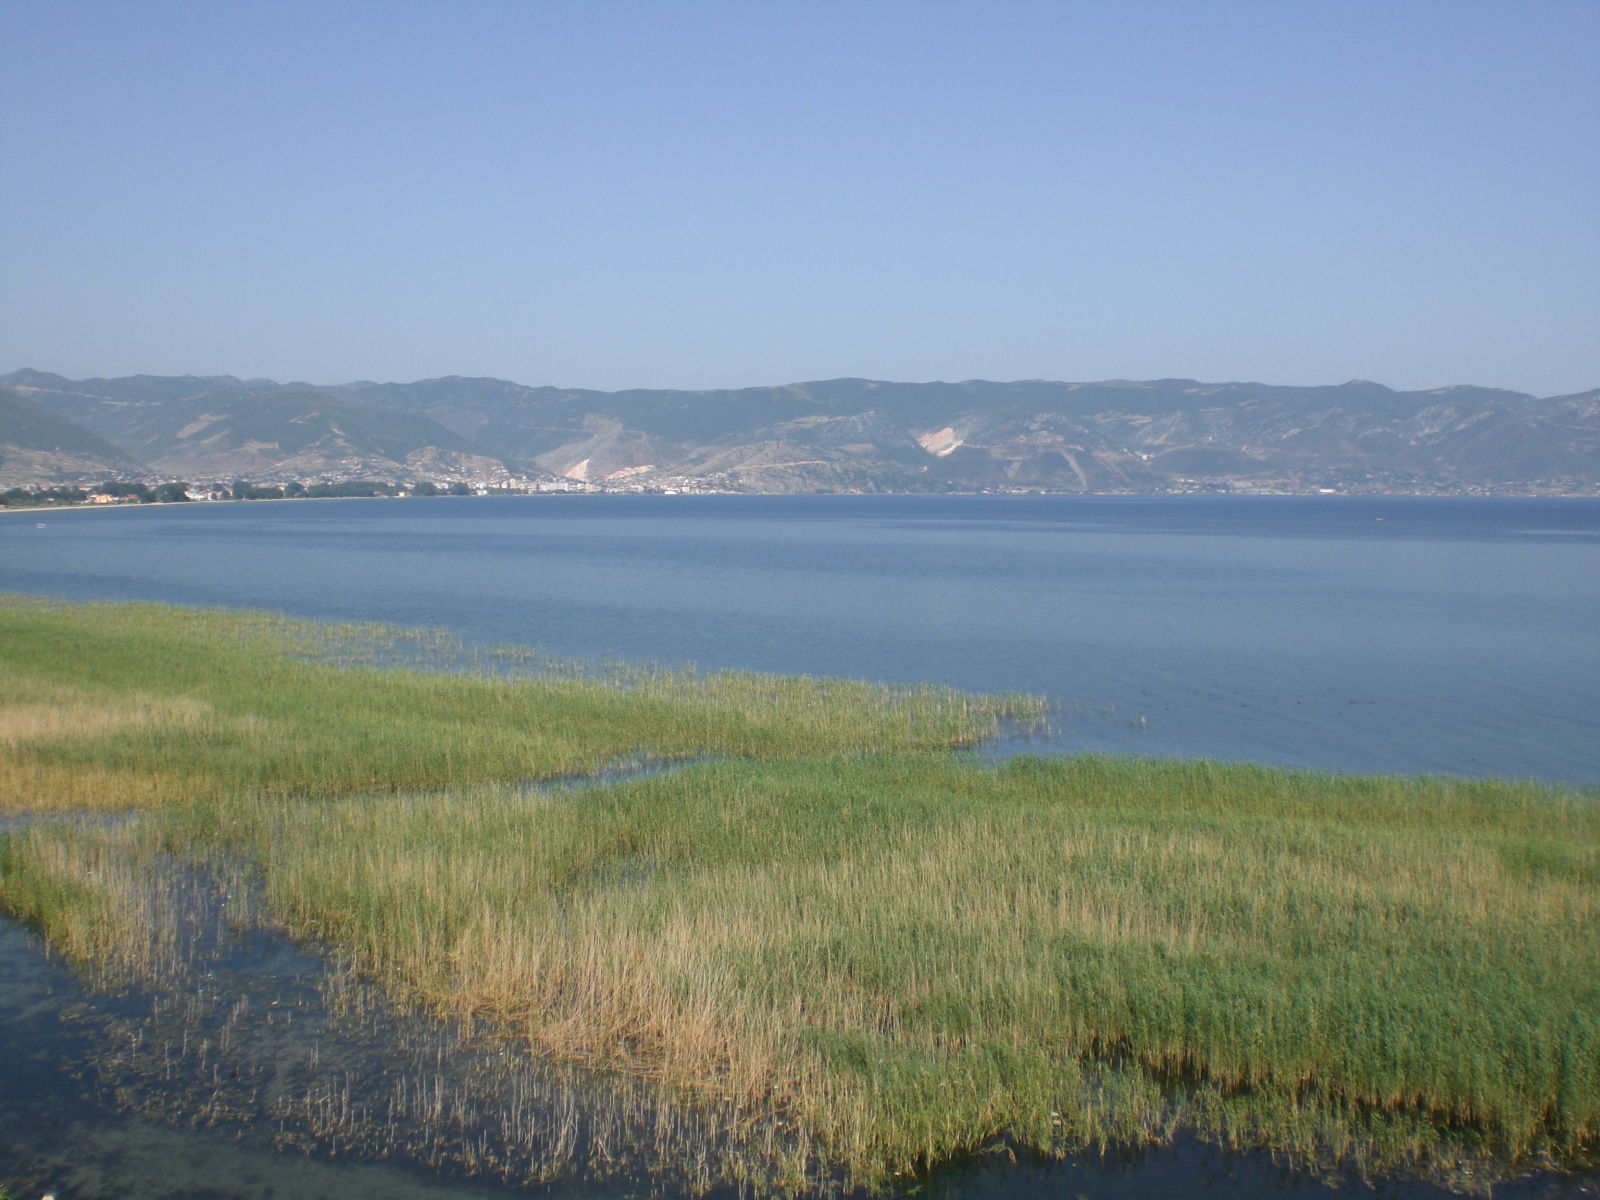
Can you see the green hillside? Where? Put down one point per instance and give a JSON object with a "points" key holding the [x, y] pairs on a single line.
{"points": [[849, 435], [36, 442]]}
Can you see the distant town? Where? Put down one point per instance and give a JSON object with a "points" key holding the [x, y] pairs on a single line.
{"points": [[122, 493]]}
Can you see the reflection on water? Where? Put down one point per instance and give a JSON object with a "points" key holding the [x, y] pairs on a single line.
{"points": [[254, 1067], [243, 1067]]}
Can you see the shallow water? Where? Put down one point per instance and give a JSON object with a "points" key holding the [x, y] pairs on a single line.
{"points": [[1398, 635], [264, 1070], [247, 1068], [1412, 635]]}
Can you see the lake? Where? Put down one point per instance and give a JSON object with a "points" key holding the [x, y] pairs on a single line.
{"points": [[1413, 635]]}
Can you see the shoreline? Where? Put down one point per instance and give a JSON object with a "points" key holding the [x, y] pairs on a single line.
{"points": [[1199, 494]]}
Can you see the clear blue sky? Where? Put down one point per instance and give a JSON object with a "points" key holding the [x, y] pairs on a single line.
{"points": [[721, 194]]}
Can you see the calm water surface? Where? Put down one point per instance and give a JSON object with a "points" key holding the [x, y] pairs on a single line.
{"points": [[1409, 635], [1458, 636]]}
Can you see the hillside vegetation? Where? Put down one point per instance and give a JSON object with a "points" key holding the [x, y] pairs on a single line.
{"points": [[41, 447], [845, 435]]}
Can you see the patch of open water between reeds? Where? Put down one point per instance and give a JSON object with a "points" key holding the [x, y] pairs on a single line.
{"points": [[240, 1066]]}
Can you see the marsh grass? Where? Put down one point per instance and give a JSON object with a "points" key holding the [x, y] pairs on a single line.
{"points": [[241, 1032], [122, 705], [908, 958], [901, 957], [917, 954]]}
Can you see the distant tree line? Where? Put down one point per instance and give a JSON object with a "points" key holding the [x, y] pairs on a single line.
{"points": [[164, 493], [369, 487], [351, 487], [240, 489], [43, 498]]}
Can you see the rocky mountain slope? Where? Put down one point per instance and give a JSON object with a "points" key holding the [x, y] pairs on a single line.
{"points": [[845, 434]]}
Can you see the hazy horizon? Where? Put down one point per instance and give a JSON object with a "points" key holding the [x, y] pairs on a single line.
{"points": [[716, 195], [579, 387]]}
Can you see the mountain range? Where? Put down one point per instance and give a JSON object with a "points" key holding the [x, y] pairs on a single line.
{"points": [[841, 435]]}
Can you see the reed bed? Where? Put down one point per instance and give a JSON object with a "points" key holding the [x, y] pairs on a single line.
{"points": [[910, 957], [904, 956], [113, 706]]}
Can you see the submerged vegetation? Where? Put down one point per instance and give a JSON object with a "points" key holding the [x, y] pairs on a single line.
{"points": [[838, 929]]}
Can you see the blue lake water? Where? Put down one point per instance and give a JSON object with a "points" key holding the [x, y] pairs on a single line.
{"points": [[1455, 636], [1411, 635]]}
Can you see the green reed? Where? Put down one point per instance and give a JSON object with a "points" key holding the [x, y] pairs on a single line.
{"points": [[910, 957], [906, 955], [119, 705]]}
